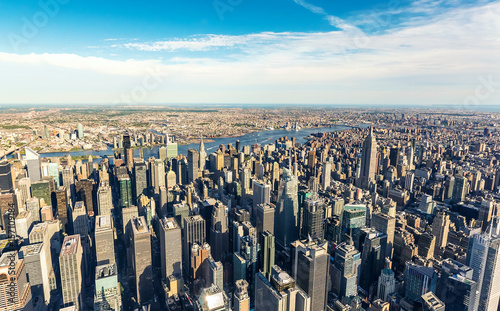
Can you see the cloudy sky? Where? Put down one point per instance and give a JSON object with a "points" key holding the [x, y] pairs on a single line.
{"points": [[407, 53]]}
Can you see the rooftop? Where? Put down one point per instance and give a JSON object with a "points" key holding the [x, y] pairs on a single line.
{"points": [[70, 245]]}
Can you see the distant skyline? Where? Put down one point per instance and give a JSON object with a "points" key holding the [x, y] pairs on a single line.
{"points": [[368, 53]]}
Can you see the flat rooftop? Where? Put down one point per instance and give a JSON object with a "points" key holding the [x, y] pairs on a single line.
{"points": [[70, 245]]}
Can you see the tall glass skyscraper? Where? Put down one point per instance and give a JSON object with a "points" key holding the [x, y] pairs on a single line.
{"points": [[287, 210]]}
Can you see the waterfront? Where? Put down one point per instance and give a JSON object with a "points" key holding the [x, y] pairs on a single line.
{"points": [[262, 138]]}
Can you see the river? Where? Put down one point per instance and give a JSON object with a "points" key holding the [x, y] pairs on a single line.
{"points": [[262, 138]]}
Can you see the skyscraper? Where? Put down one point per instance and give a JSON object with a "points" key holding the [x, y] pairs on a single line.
{"points": [[125, 191], [171, 148], [62, 206], [440, 229], [261, 194], [418, 280], [193, 165], [219, 233], [386, 284], [104, 199], [313, 216], [267, 253], [287, 210], [107, 289], [70, 262], [170, 248], [15, 292], [6, 182], [84, 192], [345, 270], [386, 224], [140, 179], [80, 130], [141, 250], [33, 164], [483, 258], [241, 298], [203, 156], [80, 219], [326, 175], [264, 219], [104, 240], [311, 263], [456, 287], [38, 265], [459, 189], [368, 159], [373, 256], [194, 231]]}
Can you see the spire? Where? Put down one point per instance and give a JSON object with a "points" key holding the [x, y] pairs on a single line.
{"points": [[202, 145], [167, 139]]}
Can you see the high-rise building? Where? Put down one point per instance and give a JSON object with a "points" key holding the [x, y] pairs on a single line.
{"points": [[310, 266], [23, 223], [455, 286], [33, 164], [41, 190], [368, 159], [141, 258], [128, 214], [194, 231], [80, 219], [345, 270], [264, 219], [199, 254], [267, 252], [213, 298], [171, 148], [279, 294], [125, 191], [180, 211], [68, 178], [84, 192], [483, 258], [6, 181], [33, 206], [219, 233], [326, 175], [170, 248], [15, 291], [193, 164], [261, 194], [80, 130], [459, 189], [386, 224], [203, 156], [287, 210], [313, 217], [71, 269], [418, 280], [241, 300], [430, 302], [104, 240], [373, 256], [158, 175], [104, 199], [24, 185], [140, 179], [38, 266], [440, 229], [107, 289], [386, 284]]}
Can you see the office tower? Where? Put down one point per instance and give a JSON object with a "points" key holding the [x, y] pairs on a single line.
{"points": [[128, 214], [386, 284], [41, 190], [373, 256], [171, 148], [368, 159], [80, 219], [140, 179], [264, 219], [430, 302], [212, 298], [426, 245], [193, 163], [71, 269], [33, 205], [345, 270], [194, 231], [162, 153], [267, 253], [338, 206], [23, 223], [485, 213], [104, 240], [33, 165], [313, 216], [61, 196], [107, 289], [241, 301], [126, 147], [38, 264], [84, 189], [80, 130], [287, 210], [170, 248], [180, 211], [459, 189], [394, 156], [456, 287], [158, 175], [147, 208], [219, 234], [15, 291], [409, 179], [261, 194], [203, 156], [171, 180], [482, 257], [104, 199], [279, 294], [353, 219], [6, 181], [440, 229], [386, 224], [311, 263], [53, 171], [326, 175], [418, 280], [198, 255], [215, 275], [125, 191], [68, 178], [24, 185], [141, 258]]}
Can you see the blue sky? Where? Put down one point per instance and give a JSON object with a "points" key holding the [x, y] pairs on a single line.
{"points": [[391, 52]]}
